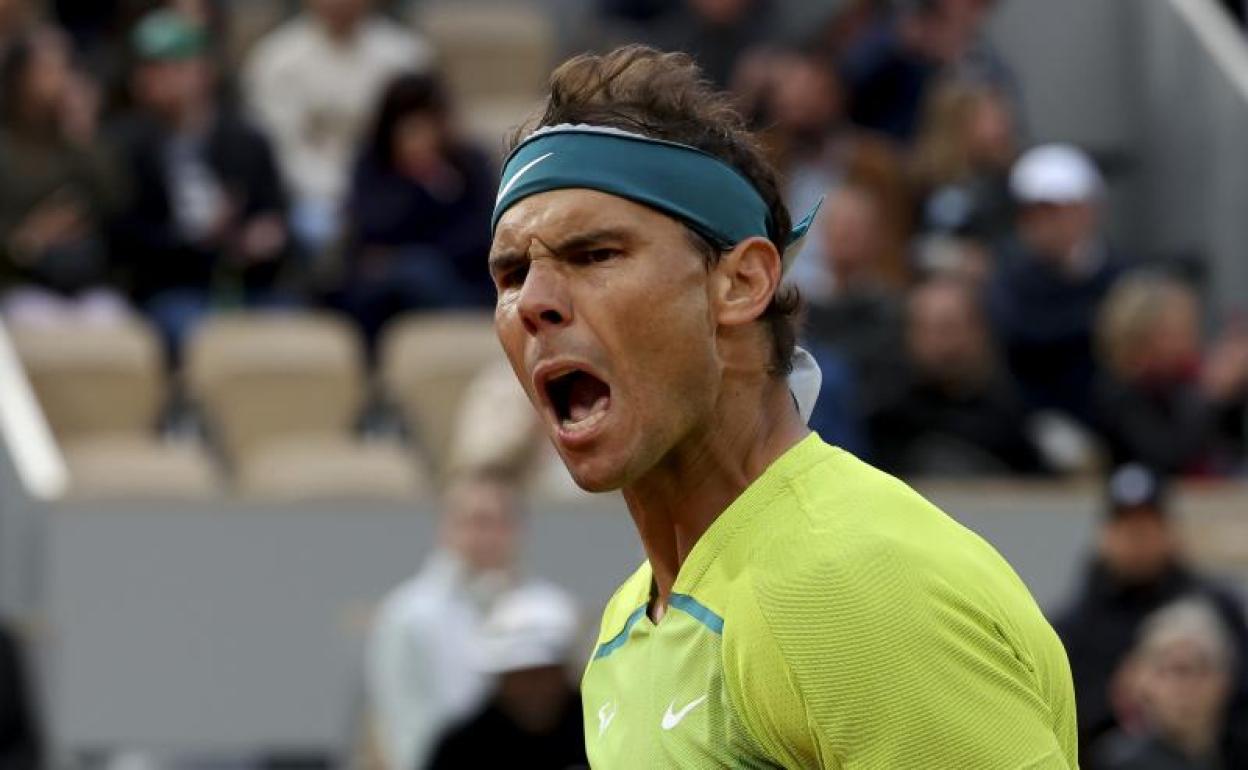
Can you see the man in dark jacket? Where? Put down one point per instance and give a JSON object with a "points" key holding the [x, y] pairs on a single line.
{"points": [[207, 222], [1137, 570], [19, 733], [1052, 277]]}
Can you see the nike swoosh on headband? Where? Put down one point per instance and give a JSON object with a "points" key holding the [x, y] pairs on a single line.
{"points": [[519, 173]]}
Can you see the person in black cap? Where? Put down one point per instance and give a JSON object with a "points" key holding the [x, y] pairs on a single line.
{"points": [[1137, 568]]}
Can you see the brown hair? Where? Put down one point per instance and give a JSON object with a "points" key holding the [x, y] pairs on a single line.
{"points": [[1128, 316], [665, 96], [942, 151]]}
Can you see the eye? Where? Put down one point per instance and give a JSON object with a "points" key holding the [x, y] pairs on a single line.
{"points": [[597, 255], [512, 278]]}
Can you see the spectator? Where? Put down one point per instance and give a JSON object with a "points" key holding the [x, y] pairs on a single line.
{"points": [[15, 20], [955, 414], [1238, 10], [715, 32], [1182, 675], [798, 99], [497, 429], [1157, 402], [423, 659], [535, 711], [20, 738], [58, 189], [891, 69], [1051, 278], [312, 83], [861, 318], [206, 224], [962, 160], [418, 214], [1138, 568]]}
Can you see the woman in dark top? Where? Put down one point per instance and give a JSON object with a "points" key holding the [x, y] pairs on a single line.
{"points": [[418, 212], [59, 187]]}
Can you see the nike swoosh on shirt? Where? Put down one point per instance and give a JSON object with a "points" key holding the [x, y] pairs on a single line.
{"points": [[606, 715], [516, 176], [671, 719]]}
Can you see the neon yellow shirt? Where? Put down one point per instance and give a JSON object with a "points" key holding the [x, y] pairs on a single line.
{"points": [[831, 617]]}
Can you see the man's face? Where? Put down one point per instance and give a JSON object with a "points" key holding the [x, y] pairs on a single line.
{"points": [[167, 87], [339, 13], [945, 333], [604, 312], [1054, 230], [1183, 687], [851, 232], [481, 525], [1137, 546]]}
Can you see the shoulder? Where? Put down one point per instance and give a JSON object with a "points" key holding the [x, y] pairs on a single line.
{"points": [[860, 561], [281, 47], [411, 604], [393, 41], [234, 129], [1122, 750]]}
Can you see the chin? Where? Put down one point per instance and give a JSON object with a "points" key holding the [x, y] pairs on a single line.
{"points": [[593, 476]]}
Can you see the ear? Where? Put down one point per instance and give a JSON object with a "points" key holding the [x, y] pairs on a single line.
{"points": [[746, 279]]}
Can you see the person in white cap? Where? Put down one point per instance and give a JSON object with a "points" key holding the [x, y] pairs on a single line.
{"points": [[1052, 277], [535, 713], [423, 663]]}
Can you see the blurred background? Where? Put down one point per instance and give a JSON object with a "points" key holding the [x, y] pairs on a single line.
{"points": [[269, 497]]}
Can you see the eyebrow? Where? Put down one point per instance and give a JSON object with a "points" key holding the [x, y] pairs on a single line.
{"points": [[506, 260]]}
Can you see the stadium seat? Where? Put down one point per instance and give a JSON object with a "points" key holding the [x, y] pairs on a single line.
{"points": [[329, 469], [496, 56], [261, 377], [102, 388], [427, 363], [137, 467], [94, 380], [490, 49]]}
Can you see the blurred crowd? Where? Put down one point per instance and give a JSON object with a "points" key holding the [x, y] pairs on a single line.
{"points": [[971, 313]]}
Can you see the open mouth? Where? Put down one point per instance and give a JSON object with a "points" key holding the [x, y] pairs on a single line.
{"points": [[579, 400]]}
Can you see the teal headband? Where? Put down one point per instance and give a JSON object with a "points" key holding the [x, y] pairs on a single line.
{"points": [[684, 182]]}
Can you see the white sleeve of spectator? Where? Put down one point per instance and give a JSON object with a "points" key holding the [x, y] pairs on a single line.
{"points": [[272, 104], [400, 686]]}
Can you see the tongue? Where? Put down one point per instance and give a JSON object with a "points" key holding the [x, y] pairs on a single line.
{"points": [[586, 395]]}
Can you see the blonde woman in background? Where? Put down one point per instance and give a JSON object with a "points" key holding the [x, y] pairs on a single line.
{"points": [[1161, 399], [960, 167]]}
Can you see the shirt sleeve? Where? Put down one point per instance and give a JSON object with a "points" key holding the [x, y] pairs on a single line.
{"points": [[864, 666], [400, 685]]}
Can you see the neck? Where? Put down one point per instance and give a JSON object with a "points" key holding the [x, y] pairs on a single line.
{"points": [[192, 117], [753, 423], [340, 31], [1196, 742]]}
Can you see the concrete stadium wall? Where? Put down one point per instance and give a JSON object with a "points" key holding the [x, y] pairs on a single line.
{"points": [[237, 628], [1158, 90]]}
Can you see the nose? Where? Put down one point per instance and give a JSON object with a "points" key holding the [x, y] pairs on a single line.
{"points": [[544, 303]]}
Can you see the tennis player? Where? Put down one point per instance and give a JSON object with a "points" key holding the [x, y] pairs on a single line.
{"points": [[797, 608]]}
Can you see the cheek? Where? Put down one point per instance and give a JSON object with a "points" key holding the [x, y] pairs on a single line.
{"points": [[660, 340], [511, 335]]}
